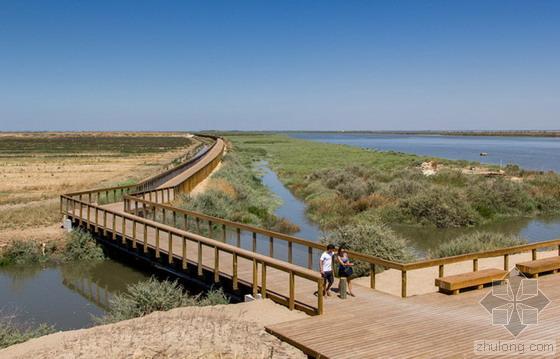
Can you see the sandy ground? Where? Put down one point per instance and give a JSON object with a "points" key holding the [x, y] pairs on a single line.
{"points": [[227, 331], [421, 281]]}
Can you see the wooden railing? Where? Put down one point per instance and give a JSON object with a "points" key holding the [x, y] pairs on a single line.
{"points": [[142, 200], [116, 193], [202, 223], [109, 222]]}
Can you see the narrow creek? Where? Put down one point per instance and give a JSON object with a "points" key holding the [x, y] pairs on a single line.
{"points": [[421, 239], [66, 296]]}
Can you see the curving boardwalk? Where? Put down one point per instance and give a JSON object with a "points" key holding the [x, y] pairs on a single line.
{"points": [[138, 219]]}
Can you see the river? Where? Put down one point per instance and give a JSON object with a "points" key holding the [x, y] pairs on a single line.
{"points": [[66, 296], [533, 153]]}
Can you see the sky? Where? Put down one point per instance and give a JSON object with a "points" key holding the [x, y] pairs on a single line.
{"points": [[279, 65]]}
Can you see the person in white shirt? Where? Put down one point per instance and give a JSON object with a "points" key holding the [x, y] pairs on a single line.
{"points": [[326, 267]]}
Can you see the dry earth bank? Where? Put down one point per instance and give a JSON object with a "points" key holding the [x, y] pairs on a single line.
{"points": [[228, 331]]}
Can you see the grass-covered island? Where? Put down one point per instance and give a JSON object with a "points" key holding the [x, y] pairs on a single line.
{"points": [[365, 192]]}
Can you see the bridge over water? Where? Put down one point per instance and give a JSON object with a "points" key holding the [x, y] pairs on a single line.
{"points": [[141, 220]]}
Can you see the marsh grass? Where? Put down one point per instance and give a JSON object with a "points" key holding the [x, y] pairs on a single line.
{"points": [[77, 246], [236, 193], [145, 297], [476, 242], [375, 239], [11, 334]]}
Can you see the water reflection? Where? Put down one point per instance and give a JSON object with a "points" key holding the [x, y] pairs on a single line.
{"points": [[65, 296]]}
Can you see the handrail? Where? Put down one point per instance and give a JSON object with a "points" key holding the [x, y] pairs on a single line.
{"points": [[138, 194], [146, 183], [69, 204]]}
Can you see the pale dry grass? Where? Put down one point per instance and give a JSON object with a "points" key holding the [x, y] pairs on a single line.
{"points": [[30, 184], [230, 331]]}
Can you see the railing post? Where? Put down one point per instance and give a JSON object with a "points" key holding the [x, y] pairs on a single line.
{"points": [[134, 234], [441, 270], [170, 248], [475, 265], [309, 257], [224, 233], [506, 262], [197, 225], [372, 275], [200, 258], [320, 296], [271, 247], [216, 264], [291, 302], [114, 226], [534, 254], [210, 231], [88, 216], [174, 219], [184, 259], [186, 220], [403, 283], [254, 242], [104, 223], [81, 212], [255, 276], [145, 238], [290, 252], [234, 279], [263, 280], [239, 237], [96, 220], [157, 242], [123, 230]]}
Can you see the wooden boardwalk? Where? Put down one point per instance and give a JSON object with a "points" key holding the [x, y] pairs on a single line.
{"points": [[378, 325], [371, 325]]}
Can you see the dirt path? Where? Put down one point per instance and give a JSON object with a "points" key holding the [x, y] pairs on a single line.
{"points": [[227, 331]]}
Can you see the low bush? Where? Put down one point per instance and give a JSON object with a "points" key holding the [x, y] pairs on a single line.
{"points": [[440, 207], [11, 334], [145, 297], [499, 197], [22, 252], [81, 246], [374, 239], [476, 242]]}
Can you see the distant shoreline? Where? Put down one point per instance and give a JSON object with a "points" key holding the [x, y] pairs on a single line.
{"points": [[520, 133]]}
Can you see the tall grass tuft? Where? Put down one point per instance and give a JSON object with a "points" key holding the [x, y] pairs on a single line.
{"points": [[476, 242], [145, 297]]}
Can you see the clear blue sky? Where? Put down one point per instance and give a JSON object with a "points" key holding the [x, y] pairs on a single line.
{"points": [[275, 65]]}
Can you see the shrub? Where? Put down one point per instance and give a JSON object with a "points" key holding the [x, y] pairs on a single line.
{"points": [[440, 206], [374, 239], [21, 252], [403, 188], [476, 242], [153, 295], [81, 246], [11, 334], [500, 197]]}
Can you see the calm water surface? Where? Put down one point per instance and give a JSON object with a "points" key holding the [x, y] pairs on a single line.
{"points": [[65, 296], [535, 153]]}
